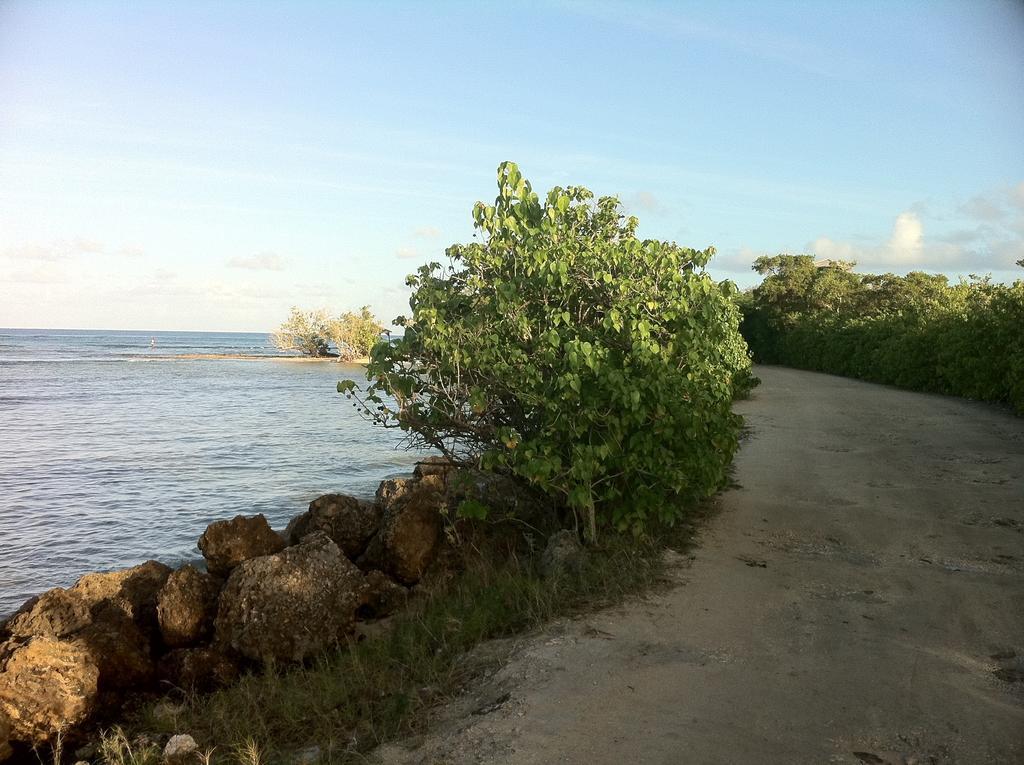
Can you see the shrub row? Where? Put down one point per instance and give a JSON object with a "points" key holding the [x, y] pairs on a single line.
{"points": [[915, 331]]}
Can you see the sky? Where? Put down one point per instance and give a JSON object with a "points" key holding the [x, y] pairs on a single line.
{"points": [[206, 166]]}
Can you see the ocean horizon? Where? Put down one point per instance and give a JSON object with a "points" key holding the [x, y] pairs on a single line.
{"points": [[106, 462]]}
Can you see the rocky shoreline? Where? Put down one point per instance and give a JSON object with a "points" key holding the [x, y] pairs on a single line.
{"points": [[70, 658]]}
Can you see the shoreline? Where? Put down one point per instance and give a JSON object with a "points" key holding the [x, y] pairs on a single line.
{"points": [[252, 357]]}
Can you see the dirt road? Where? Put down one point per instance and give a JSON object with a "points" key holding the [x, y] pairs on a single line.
{"points": [[860, 599]]}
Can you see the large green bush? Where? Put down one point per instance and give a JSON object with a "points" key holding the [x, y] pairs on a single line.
{"points": [[915, 331], [563, 349]]}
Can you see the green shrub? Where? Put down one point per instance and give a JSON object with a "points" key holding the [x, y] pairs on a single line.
{"points": [[915, 331], [564, 350]]}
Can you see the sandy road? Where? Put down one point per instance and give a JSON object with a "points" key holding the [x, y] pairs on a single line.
{"points": [[860, 599]]}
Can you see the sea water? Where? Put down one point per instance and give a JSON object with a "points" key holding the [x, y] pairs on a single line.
{"points": [[117, 447]]}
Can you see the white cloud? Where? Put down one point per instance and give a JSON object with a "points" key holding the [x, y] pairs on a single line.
{"points": [[427, 232], [644, 201], [88, 246], [264, 261], [989, 237], [61, 250], [906, 244], [906, 247], [1017, 196], [45, 273], [982, 208], [406, 253]]}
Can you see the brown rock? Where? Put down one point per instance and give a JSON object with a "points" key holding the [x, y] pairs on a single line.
{"points": [[291, 605], [350, 522], [394, 490], [410, 535], [372, 558], [47, 686], [55, 613], [563, 555], [186, 606], [5, 737], [199, 669], [132, 591], [381, 596], [119, 650], [503, 494], [225, 544], [296, 529], [432, 466]]}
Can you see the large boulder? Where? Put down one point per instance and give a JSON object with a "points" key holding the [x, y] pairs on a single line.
{"points": [[47, 686], [225, 544], [119, 649], [393, 490], [131, 591], [350, 522], [199, 669], [186, 606], [291, 605], [56, 613], [5, 737], [503, 494], [409, 535], [432, 466]]}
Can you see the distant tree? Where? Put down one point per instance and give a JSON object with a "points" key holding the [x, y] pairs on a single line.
{"points": [[307, 332], [1021, 262], [312, 333], [354, 334]]}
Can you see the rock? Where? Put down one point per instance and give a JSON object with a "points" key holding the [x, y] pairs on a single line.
{"points": [[55, 613], [61, 613], [562, 555], [503, 494], [132, 591], [394, 490], [225, 544], [186, 607], [432, 466], [410, 534], [199, 669], [381, 596], [119, 650], [296, 529], [372, 558], [180, 749], [47, 686], [291, 605], [5, 738], [350, 522]]}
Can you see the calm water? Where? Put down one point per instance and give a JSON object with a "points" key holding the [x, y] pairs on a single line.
{"points": [[113, 452]]}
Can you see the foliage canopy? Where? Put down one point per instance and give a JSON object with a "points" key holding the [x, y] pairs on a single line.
{"points": [[564, 350], [917, 331], [312, 333]]}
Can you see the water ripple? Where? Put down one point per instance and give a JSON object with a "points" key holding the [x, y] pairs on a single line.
{"points": [[104, 464]]}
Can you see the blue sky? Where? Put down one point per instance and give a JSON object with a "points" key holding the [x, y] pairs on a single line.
{"points": [[186, 165]]}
